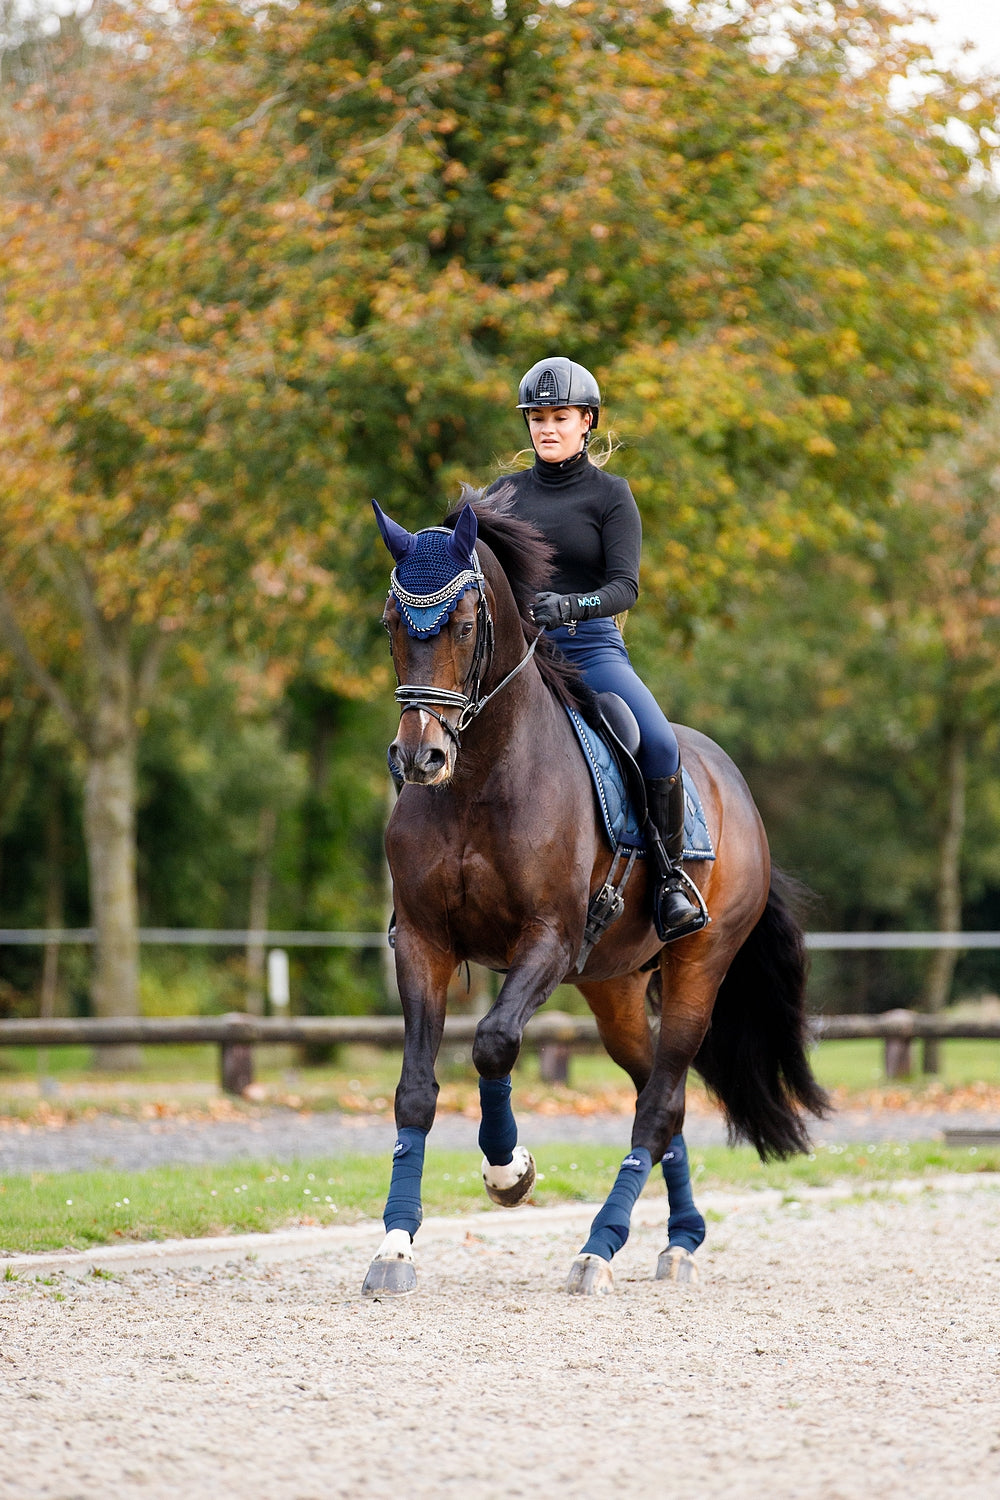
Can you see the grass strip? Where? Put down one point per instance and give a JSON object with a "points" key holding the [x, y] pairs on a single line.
{"points": [[77, 1210], [362, 1077]]}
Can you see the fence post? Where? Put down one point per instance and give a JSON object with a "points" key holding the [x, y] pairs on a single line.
{"points": [[898, 1057], [235, 1063], [553, 1062], [899, 1048]]}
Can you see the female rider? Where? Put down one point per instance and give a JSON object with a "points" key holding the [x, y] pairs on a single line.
{"points": [[592, 521]]}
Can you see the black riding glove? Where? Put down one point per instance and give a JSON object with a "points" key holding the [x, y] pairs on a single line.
{"points": [[550, 610]]}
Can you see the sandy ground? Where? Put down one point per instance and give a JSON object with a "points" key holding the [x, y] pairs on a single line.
{"points": [[837, 1347]]}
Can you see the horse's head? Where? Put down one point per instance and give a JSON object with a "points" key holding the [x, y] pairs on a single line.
{"points": [[439, 624]]}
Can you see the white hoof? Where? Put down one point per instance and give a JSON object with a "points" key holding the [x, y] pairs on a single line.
{"points": [[510, 1185], [677, 1265], [590, 1276]]}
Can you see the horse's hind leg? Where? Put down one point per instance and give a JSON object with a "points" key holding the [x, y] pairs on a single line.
{"points": [[620, 1011], [685, 1225], [619, 1007], [658, 1123], [659, 1116], [423, 975], [591, 1271]]}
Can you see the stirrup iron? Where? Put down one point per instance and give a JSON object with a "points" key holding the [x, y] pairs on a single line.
{"points": [[699, 918]]}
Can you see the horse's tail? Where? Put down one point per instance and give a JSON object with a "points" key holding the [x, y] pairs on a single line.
{"points": [[754, 1056]]}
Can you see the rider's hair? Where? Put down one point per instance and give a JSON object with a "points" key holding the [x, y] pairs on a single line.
{"points": [[599, 452]]}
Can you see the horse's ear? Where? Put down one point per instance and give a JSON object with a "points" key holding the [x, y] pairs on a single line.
{"points": [[463, 538], [398, 540]]}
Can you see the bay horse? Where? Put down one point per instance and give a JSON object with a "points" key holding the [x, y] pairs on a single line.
{"points": [[495, 849]]}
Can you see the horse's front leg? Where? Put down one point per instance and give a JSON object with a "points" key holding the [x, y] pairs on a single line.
{"points": [[509, 1169], [422, 974]]}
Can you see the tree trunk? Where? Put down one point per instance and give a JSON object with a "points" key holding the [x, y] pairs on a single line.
{"points": [[260, 893], [109, 825], [54, 918], [55, 859], [949, 888], [15, 763]]}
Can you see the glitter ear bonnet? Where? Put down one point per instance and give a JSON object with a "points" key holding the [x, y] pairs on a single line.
{"points": [[434, 568]]}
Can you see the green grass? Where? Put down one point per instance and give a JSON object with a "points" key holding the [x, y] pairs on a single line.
{"points": [[860, 1065], [852, 1065], [72, 1064], [78, 1210]]}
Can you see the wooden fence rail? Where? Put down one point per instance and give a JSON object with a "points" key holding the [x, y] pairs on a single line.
{"points": [[554, 1033], [899, 1029]]}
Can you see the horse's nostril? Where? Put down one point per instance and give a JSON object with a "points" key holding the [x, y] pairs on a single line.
{"points": [[421, 763]]}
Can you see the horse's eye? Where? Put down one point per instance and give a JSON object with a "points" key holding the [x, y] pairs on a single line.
{"points": [[465, 630]]}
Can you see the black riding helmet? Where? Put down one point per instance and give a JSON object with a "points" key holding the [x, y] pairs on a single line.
{"points": [[559, 382]]}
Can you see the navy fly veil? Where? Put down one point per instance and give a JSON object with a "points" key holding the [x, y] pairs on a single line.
{"points": [[434, 568], [425, 585]]}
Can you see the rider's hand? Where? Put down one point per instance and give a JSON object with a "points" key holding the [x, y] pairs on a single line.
{"points": [[550, 610]]}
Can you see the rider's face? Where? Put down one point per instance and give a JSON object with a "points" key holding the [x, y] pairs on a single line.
{"points": [[557, 432]]}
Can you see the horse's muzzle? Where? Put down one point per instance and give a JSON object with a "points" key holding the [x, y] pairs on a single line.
{"points": [[423, 764]]}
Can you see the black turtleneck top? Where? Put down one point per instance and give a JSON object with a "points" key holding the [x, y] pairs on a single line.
{"points": [[592, 521]]}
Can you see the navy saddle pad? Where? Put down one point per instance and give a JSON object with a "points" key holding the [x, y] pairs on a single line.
{"points": [[620, 823]]}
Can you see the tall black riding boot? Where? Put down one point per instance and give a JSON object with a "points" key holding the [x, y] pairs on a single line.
{"points": [[674, 911]]}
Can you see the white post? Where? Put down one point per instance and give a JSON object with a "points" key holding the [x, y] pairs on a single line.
{"points": [[278, 990]]}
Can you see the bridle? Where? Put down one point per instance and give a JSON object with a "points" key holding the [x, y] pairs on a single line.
{"points": [[424, 697]]}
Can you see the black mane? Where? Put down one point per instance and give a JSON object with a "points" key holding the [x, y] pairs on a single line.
{"points": [[526, 559]]}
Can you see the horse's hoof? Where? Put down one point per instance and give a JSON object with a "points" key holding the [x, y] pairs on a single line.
{"points": [[590, 1276], [510, 1185], [677, 1265], [389, 1278], [392, 1272]]}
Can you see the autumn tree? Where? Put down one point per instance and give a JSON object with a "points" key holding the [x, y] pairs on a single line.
{"points": [[863, 694], [162, 473], [943, 618], [722, 210]]}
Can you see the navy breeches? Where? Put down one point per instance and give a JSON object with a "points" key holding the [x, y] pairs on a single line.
{"points": [[598, 650]]}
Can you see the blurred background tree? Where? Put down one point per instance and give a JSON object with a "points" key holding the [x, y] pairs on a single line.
{"points": [[864, 696], [168, 482]]}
